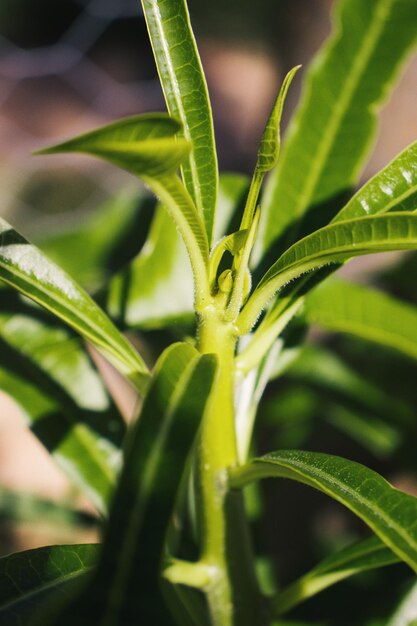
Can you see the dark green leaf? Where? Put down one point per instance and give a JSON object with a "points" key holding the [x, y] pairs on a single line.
{"points": [[28, 580], [390, 513], [186, 95], [354, 559], [25, 268], [332, 132], [121, 592]]}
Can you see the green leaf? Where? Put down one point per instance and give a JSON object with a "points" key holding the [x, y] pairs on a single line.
{"points": [[28, 580], [233, 189], [186, 95], [156, 451], [25, 268], [393, 189], [335, 243], [390, 513], [333, 130], [340, 306], [44, 367], [144, 145], [354, 559], [156, 288], [113, 228]]}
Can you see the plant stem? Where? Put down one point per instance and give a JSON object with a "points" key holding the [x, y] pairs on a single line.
{"points": [[232, 595]]}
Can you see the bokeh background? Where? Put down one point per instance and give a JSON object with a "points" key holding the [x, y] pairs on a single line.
{"points": [[68, 66]]}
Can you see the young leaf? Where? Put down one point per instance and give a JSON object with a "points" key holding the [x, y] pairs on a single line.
{"points": [[44, 367], [390, 513], [30, 579], [25, 268], [146, 146], [340, 306], [332, 132], [335, 243], [121, 592], [186, 95], [393, 189], [354, 559]]}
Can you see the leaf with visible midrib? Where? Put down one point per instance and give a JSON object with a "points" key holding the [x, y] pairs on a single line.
{"points": [[30, 579], [25, 268], [335, 243], [331, 134], [123, 592], [186, 95], [390, 513]]}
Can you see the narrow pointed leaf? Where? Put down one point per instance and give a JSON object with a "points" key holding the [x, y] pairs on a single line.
{"points": [[341, 306], [44, 368], [332, 132], [25, 268], [335, 243], [271, 139], [354, 559], [393, 189], [144, 145], [186, 95], [121, 592], [30, 579], [390, 513]]}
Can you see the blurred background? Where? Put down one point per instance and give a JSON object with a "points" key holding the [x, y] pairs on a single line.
{"points": [[69, 66]]}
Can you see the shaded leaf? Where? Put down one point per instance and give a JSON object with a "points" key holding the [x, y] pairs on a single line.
{"points": [[25, 268], [332, 132], [121, 592], [28, 580], [354, 559], [44, 367], [341, 306], [406, 613], [186, 95], [390, 513]]}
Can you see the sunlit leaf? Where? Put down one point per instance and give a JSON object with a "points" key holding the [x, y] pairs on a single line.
{"points": [[335, 243], [406, 613], [25, 268], [331, 134], [390, 513], [186, 95]]}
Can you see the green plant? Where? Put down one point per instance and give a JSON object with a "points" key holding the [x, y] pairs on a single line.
{"points": [[176, 543]]}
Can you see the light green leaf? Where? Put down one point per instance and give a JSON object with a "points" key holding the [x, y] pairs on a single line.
{"points": [[146, 146], [156, 288], [44, 367], [335, 243], [233, 189], [340, 306], [393, 189], [25, 268], [354, 559], [28, 580], [333, 130], [186, 95], [156, 451], [114, 229], [390, 513]]}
